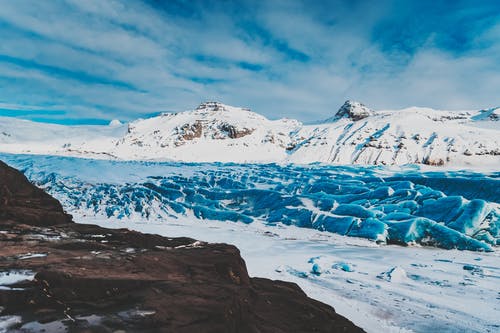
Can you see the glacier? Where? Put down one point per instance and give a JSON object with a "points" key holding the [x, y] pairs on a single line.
{"points": [[398, 205]]}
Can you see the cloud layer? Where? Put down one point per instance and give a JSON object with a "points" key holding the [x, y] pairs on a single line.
{"points": [[90, 61]]}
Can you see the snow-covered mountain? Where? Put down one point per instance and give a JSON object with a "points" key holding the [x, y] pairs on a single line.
{"points": [[358, 135], [23, 136], [212, 132], [215, 132]]}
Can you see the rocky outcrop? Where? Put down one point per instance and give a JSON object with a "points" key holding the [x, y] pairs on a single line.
{"points": [[353, 110], [211, 106], [24, 203], [234, 132], [56, 275], [190, 131]]}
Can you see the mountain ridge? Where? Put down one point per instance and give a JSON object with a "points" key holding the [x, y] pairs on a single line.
{"points": [[216, 132]]}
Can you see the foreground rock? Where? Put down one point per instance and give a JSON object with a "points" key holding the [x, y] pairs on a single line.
{"points": [[21, 202], [56, 275]]}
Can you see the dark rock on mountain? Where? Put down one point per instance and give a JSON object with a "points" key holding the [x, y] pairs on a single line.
{"points": [[353, 110], [234, 133], [84, 278], [211, 106], [191, 131]]}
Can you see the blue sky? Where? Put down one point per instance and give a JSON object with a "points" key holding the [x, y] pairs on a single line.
{"points": [[73, 61]]}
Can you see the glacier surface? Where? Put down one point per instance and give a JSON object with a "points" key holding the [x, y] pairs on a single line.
{"points": [[404, 205]]}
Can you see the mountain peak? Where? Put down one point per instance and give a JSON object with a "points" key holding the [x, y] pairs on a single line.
{"points": [[353, 110], [115, 123], [218, 106], [211, 106]]}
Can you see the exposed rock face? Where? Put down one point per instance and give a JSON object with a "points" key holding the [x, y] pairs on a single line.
{"points": [[211, 106], [85, 278], [234, 133], [191, 131], [24, 203], [353, 110]]}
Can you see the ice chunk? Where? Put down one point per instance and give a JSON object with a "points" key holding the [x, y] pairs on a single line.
{"points": [[336, 224], [408, 204], [397, 216], [401, 185], [395, 274], [444, 209], [410, 207], [291, 216], [346, 267], [330, 188], [390, 208], [316, 269], [381, 192], [474, 269], [472, 217], [353, 210], [325, 203], [427, 232], [370, 228], [220, 215], [486, 237], [297, 273]]}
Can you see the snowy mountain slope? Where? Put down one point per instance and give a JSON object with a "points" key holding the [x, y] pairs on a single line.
{"points": [[212, 132], [215, 132], [23, 136], [414, 135]]}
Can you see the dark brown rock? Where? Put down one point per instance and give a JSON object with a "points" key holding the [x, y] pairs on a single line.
{"points": [[22, 202], [94, 279], [234, 133], [353, 110], [191, 131]]}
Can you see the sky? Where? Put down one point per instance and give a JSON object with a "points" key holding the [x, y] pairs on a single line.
{"points": [[87, 62]]}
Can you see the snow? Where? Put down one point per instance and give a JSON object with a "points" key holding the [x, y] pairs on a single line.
{"points": [[384, 206], [290, 223], [328, 225], [215, 132], [14, 276], [437, 294], [8, 321], [31, 256], [115, 123], [395, 274]]}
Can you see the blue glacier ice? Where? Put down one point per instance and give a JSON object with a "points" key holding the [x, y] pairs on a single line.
{"points": [[447, 209]]}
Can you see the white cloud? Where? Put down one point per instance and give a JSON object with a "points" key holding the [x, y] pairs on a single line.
{"points": [[123, 59]]}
